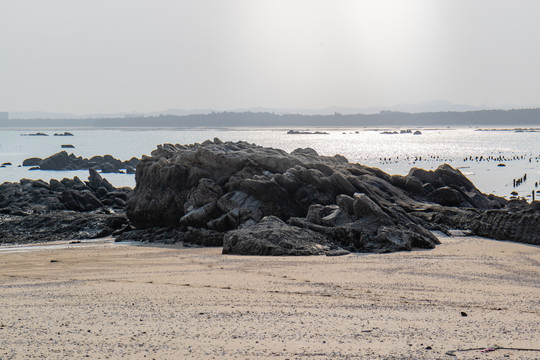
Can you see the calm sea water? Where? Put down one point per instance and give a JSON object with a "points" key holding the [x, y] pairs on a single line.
{"points": [[395, 154]]}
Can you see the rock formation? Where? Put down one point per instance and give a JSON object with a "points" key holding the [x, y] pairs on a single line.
{"points": [[253, 200], [63, 161], [34, 210], [265, 201]]}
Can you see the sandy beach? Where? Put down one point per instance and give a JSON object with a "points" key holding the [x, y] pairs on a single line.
{"points": [[103, 300]]}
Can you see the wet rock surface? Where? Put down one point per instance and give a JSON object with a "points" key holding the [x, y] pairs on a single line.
{"points": [[260, 200], [34, 210]]}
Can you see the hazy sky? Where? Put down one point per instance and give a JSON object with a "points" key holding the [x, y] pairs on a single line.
{"points": [[132, 55]]}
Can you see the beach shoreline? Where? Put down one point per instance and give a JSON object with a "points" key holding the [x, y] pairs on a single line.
{"points": [[110, 300]]}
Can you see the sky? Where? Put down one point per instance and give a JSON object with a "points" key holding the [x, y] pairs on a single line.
{"points": [[103, 56]]}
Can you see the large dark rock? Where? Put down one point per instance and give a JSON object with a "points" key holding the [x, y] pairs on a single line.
{"points": [[58, 161], [271, 236], [447, 186], [80, 200], [446, 196], [35, 161], [229, 187]]}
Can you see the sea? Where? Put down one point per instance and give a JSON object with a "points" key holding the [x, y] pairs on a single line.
{"points": [[493, 159]]}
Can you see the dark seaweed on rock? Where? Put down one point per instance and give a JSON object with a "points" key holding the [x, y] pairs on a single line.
{"points": [[257, 199]]}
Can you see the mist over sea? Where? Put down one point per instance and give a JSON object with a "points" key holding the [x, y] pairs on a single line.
{"points": [[476, 153]]}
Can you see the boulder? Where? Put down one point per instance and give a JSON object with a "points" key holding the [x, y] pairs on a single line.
{"points": [[107, 167], [446, 196], [35, 161], [80, 200], [346, 203], [58, 161], [271, 236], [364, 206]]}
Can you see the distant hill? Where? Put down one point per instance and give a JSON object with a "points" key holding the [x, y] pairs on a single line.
{"points": [[518, 117], [422, 107]]}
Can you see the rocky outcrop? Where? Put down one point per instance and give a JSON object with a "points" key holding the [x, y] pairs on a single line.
{"points": [[63, 161], [229, 188], [446, 186], [260, 201], [29, 197], [518, 221], [272, 236], [58, 225], [32, 210]]}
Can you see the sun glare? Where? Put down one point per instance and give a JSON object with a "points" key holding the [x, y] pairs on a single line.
{"points": [[386, 26]]}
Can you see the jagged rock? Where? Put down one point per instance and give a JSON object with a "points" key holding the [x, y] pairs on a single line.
{"points": [[58, 161], [518, 223], [80, 200], [364, 206], [346, 203], [56, 185], [58, 225], [271, 236], [95, 181], [199, 217], [63, 161], [165, 180], [215, 192], [228, 188], [457, 189], [30, 207], [207, 191]]}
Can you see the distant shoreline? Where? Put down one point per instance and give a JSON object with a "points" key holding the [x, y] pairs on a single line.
{"points": [[511, 118]]}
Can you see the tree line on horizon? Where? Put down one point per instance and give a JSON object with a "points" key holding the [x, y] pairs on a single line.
{"points": [[527, 117]]}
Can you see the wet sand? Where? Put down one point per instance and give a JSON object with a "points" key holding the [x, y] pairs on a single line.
{"points": [[101, 300]]}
